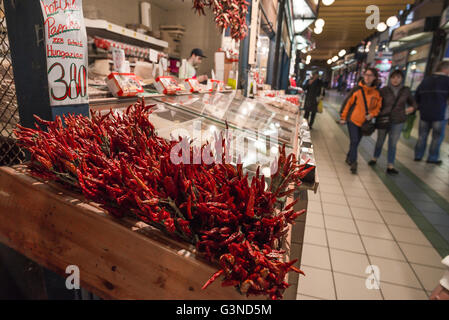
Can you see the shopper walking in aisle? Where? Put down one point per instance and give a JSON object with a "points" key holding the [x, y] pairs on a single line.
{"points": [[314, 88], [339, 83], [363, 105], [397, 103], [432, 96]]}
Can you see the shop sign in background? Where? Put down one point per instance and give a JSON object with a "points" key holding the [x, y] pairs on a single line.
{"points": [[66, 46]]}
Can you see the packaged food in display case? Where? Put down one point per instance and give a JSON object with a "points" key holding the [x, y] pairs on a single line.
{"points": [[304, 125], [119, 59], [307, 157], [215, 85], [123, 84], [167, 85], [306, 142], [305, 138], [293, 99], [192, 85]]}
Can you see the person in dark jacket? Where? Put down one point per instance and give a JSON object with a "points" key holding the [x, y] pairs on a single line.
{"points": [[397, 103], [314, 88], [432, 96]]}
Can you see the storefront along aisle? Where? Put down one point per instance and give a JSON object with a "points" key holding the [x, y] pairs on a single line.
{"points": [[397, 225]]}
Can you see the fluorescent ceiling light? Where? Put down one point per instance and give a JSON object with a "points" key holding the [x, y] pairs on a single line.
{"points": [[342, 53], [301, 46], [302, 9], [300, 40], [319, 23], [329, 61], [300, 25], [328, 2], [335, 59], [381, 27], [318, 30], [392, 21]]}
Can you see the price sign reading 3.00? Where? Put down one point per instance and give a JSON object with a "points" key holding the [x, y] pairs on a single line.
{"points": [[66, 45], [72, 88]]}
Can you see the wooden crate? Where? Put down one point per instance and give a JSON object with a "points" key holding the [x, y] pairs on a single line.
{"points": [[117, 258]]}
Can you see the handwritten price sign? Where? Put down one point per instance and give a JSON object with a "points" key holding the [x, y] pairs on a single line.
{"points": [[66, 45]]}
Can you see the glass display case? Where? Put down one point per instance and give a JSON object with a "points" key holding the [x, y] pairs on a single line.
{"points": [[251, 149], [256, 128], [254, 125], [240, 113]]}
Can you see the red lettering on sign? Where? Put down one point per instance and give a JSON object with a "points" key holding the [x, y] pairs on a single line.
{"points": [[75, 43], [53, 29], [56, 5], [58, 41], [52, 53]]}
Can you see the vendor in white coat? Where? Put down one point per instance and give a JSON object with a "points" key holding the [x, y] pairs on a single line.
{"points": [[441, 292], [188, 67]]}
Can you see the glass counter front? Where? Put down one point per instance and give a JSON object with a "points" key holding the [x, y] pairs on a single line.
{"points": [[240, 113]]}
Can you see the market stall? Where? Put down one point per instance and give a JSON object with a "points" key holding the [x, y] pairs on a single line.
{"points": [[126, 244], [58, 240], [267, 122], [411, 45]]}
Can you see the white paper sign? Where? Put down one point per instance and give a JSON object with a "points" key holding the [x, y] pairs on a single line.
{"points": [[154, 56], [66, 45], [164, 63], [119, 59]]}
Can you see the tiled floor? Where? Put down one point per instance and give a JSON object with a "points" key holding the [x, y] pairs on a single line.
{"points": [[355, 221]]}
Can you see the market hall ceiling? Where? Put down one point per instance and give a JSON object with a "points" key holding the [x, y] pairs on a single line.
{"points": [[345, 24]]}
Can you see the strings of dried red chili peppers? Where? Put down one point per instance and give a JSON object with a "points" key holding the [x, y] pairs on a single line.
{"points": [[119, 162], [228, 14]]}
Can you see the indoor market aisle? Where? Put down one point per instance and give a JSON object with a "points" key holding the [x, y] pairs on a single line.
{"points": [[399, 224]]}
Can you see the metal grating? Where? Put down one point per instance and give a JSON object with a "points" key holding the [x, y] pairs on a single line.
{"points": [[10, 153]]}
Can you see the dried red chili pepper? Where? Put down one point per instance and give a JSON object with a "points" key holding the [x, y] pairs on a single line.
{"points": [[119, 162]]}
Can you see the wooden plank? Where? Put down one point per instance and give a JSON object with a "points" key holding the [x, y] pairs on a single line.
{"points": [[118, 259]]}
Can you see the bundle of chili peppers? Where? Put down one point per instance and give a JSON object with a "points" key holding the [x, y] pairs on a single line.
{"points": [[118, 161], [228, 14]]}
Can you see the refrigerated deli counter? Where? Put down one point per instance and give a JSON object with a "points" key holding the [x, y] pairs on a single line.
{"points": [[126, 258]]}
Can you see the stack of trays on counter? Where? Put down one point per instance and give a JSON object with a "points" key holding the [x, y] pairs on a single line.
{"points": [[306, 154], [305, 139]]}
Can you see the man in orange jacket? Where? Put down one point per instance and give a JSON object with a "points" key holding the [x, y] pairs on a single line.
{"points": [[354, 113]]}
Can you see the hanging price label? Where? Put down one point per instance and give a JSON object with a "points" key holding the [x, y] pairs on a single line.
{"points": [[154, 55], [66, 46]]}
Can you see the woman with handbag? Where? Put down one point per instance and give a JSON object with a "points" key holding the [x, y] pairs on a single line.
{"points": [[314, 88], [392, 117], [363, 106]]}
